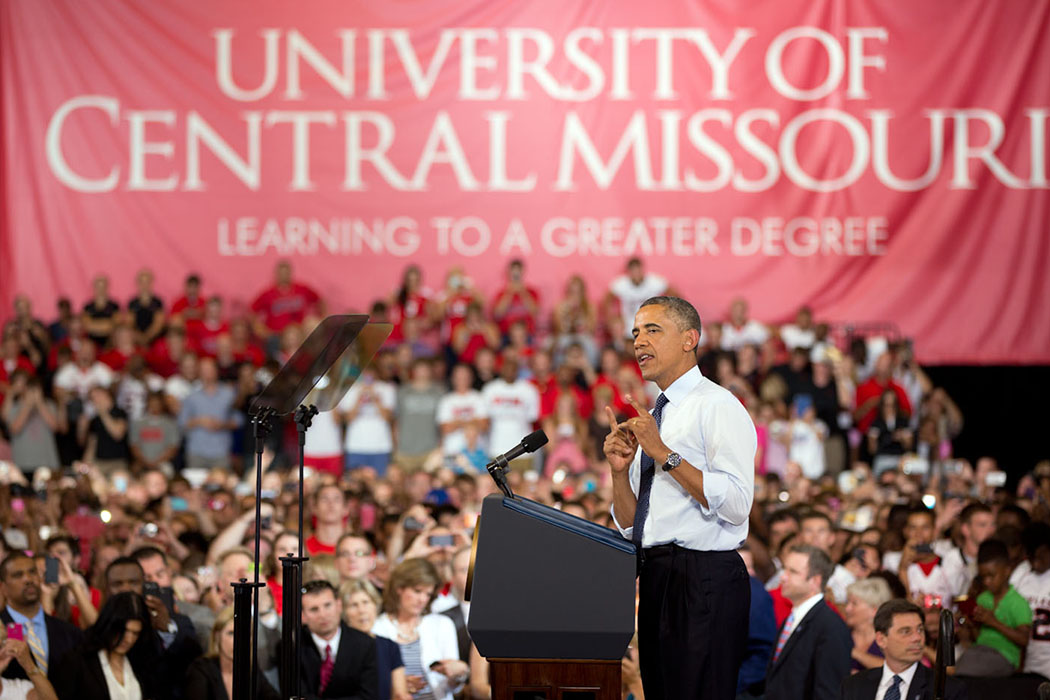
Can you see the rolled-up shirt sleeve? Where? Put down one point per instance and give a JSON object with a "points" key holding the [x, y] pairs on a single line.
{"points": [[729, 480], [636, 476]]}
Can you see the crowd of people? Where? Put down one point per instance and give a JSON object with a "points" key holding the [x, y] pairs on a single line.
{"points": [[128, 492]]}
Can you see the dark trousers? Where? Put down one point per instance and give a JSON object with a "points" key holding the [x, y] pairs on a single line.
{"points": [[693, 616]]}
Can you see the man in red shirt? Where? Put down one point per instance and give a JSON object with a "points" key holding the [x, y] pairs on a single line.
{"points": [[205, 334], [189, 308], [285, 302], [516, 301], [869, 392], [330, 513]]}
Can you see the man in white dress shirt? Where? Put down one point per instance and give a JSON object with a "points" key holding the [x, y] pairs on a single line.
{"points": [[684, 500], [900, 633]]}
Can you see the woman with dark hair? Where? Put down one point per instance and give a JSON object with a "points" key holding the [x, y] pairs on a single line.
{"points": [[100, 668], [890, 434], [211, 676]]}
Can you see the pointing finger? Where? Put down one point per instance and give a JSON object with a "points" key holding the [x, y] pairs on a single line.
{"points": [[637, 406]]}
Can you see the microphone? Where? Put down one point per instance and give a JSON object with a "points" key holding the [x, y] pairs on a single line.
{"points": [[530, 443], [1044, 691]]}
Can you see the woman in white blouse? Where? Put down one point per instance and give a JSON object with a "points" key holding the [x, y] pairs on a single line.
{"points": [[100, 668], [429, 647]]}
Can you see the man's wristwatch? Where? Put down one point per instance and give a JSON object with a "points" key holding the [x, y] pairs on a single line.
{"points": [[673, 460]]}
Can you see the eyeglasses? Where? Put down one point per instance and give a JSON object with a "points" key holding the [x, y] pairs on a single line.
{"points": [[358, 553]]}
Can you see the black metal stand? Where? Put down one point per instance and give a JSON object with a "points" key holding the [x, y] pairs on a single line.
{"points": [[945, 653], [292, 572], [243, 662], [245, 645]]}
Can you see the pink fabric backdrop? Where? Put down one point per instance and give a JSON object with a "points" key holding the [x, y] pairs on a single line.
{"points": [[880, 161]]}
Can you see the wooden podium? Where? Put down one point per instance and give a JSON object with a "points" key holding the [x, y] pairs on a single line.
{"points": [[551, 602], [554, 679]]}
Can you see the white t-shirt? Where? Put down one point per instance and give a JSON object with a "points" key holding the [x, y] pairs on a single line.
{"points": [[631, 296], [936, 584], [178, 387], [368, 432], [1035, 588], [455, 407], [79, 381], [795, 337], [751, 333], [839, 581], [960, 572], [512, 409], [807, 447], [132, 393], [325, 436]]}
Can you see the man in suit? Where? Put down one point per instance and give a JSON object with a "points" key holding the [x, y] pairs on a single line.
{"points": [[337, 660], [812, 654], [900, 633], [171, 646], [49, 638]]}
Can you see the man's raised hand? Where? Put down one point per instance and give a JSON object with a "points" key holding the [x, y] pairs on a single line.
{"points": [[620, 444]]}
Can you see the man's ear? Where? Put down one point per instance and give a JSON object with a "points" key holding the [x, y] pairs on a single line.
{"points": [[693, 339]]}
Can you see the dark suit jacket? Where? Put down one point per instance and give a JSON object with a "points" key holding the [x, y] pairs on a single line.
{"points": [[204, 682], [815, 660], [62, 638], [355, 676], [462, 636], [168, 665], [864, 685], [81, 677]]}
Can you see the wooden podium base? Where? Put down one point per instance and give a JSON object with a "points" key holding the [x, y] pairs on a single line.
{"points": [[554, 679]]}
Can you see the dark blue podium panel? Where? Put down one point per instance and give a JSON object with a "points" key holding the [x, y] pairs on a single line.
{"points": [[548, 585]]}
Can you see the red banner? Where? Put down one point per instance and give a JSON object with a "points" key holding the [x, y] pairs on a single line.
{"points": [[878, 161]]}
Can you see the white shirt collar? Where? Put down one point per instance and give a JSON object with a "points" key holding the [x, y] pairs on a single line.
{"points": [[802, 609], [333, 642], [683, 385], [887, 680]]}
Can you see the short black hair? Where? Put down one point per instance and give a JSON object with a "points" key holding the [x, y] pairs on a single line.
{"points": [[1035, 536], [13, 556], [816, 515], [897, 606], [148, 552], [1017, 510], [122, 561], [919, 509], [971, 510], [993, 551], [781, 515], [318, 586], [685, 314]]}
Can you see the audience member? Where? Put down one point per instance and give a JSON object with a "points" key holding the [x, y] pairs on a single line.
{"points": [[812, 653], [863, 598], [361, 603], [337, 660]]}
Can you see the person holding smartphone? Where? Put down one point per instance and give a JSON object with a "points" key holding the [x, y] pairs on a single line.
{"points": [[37, 687], [921, 572]]}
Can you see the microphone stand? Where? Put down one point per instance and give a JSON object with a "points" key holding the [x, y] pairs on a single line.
{"points": [[497, 469]]}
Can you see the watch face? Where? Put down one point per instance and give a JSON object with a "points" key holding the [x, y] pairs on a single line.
{"points": [[673, 460]]}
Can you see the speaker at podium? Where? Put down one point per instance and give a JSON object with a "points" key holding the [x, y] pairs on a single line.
{"points": [[552, 601]]}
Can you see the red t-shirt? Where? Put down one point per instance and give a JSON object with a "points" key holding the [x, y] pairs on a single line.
{"points": [[281, 307], [316, 546], [160, 360], [189, 310], [206, 336], [455, 314], [115, 359], [517, 310], [250, 353], [415, 306], [873, 389]]}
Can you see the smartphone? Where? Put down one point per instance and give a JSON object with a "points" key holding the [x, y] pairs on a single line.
{"points": [[151, 588], [996, 479], [149, 530], [413, 524], [441, 540], [266, 523], [924, 549], [14, 631], [50, 570]]}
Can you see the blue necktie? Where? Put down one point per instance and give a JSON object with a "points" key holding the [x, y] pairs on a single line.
{"points": [[648, 467], [894, 693]]}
